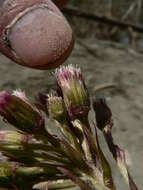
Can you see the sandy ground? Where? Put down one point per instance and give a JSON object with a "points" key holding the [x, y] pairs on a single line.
{"points": [[100, 64]]}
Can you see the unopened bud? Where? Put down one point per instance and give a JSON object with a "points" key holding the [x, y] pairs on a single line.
{"points": [[5, 175], [18, 111], [13, 138], [57, 108], [13, 174]]}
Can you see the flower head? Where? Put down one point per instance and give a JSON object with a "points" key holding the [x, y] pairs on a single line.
{"points": [[74, 91], [19, 112], [57, 108]]}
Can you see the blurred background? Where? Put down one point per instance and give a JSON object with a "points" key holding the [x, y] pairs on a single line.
{"points": [[108, 55]]}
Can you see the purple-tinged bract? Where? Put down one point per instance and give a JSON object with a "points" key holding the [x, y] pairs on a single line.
{"points": [[20, 112]]}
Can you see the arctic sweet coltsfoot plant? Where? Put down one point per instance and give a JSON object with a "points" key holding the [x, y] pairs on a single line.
{"points": [[70, 157]]}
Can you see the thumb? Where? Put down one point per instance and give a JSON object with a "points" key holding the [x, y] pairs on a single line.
{"points": [[34, 33]]}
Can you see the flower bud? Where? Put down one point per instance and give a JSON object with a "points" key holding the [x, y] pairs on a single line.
{"points": [[13, 174], [18, 111], [31, 172], [103, 113], [12, 138], [57, 108], [5, 175], [34, 33], [74, 91]]}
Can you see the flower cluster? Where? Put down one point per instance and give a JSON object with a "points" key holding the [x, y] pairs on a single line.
{"points": [[70, 156]]}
